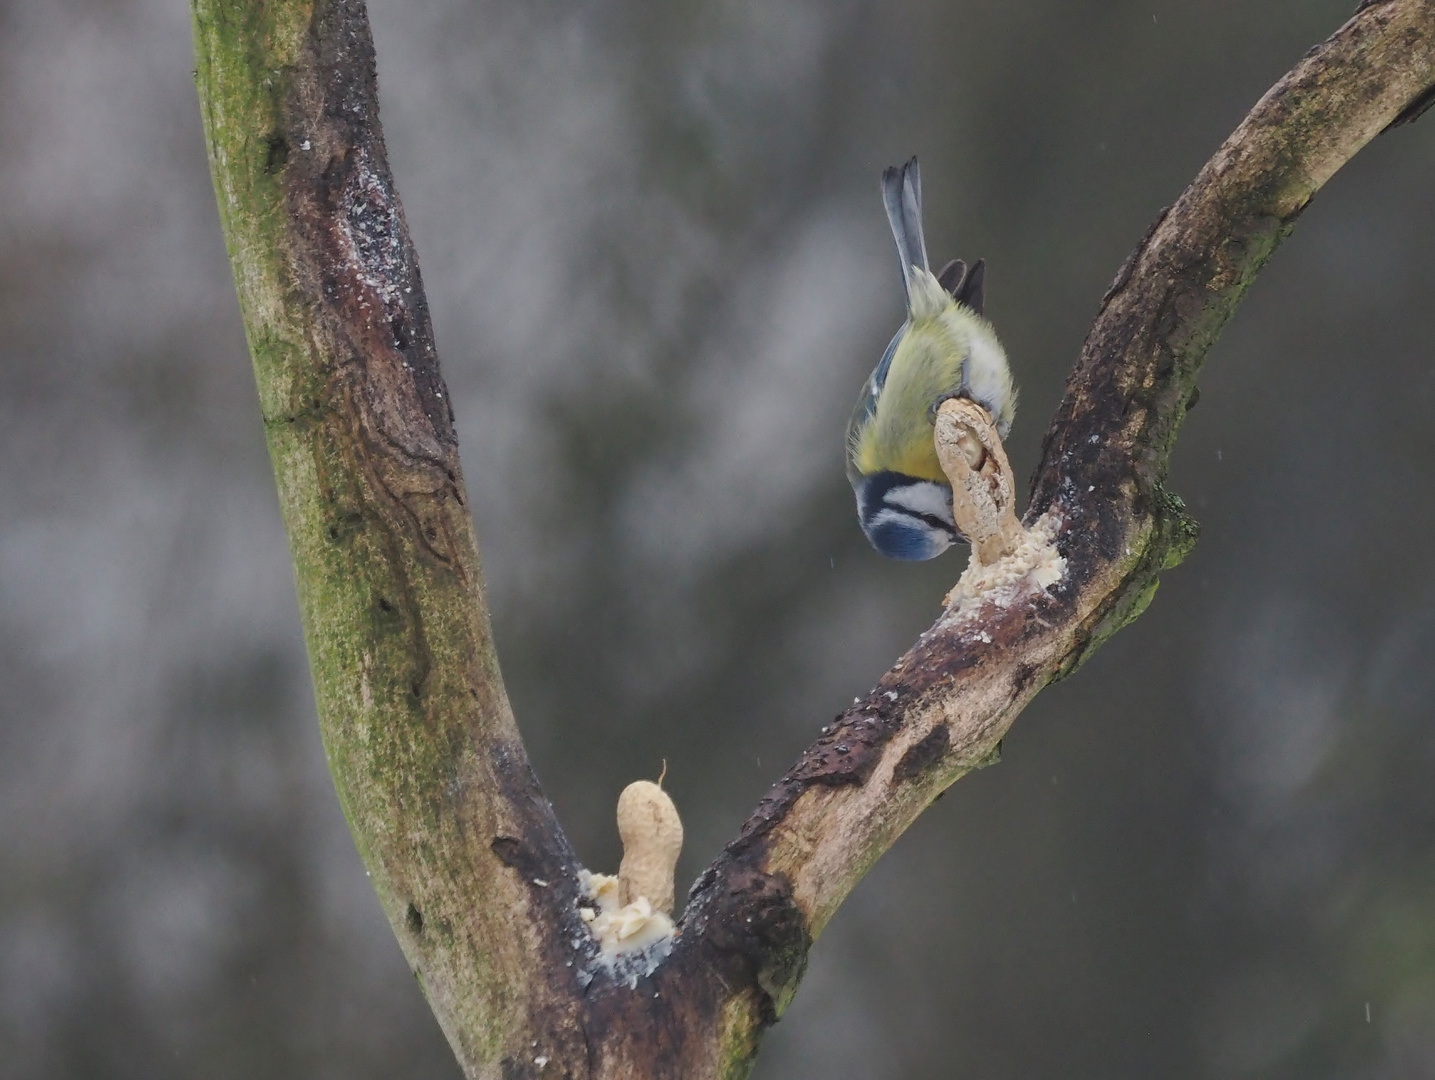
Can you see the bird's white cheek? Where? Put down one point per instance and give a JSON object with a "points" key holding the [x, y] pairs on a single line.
{"points": [[930, 499]]}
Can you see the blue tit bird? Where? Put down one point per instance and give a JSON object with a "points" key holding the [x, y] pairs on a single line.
{"points": [[945, 349]]}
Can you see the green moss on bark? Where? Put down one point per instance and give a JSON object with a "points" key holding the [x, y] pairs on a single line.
{"points": [[386, 568]]}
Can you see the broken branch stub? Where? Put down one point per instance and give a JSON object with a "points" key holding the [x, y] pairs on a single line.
{"points": [[480, 883], [983, 494], [652, 836], [631, 915]]}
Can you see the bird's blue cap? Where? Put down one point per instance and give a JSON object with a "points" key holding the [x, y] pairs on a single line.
{"points": [[904, 517]]}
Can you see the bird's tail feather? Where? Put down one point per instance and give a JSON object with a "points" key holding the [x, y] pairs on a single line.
{"points": [[902, 195]]}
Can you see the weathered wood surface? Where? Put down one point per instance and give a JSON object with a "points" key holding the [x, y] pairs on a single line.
{"points": [[468, 860]]}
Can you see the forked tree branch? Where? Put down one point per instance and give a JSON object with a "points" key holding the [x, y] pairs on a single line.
{"points": [[467, 857]]}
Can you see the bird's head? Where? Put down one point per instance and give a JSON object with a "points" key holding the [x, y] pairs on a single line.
{"points": [[905, 517]]}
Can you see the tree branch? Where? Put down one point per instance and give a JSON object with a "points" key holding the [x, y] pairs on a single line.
{"points": [[470, 864]]}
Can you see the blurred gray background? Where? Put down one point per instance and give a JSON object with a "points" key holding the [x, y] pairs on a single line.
{"points": [[659, 272]]}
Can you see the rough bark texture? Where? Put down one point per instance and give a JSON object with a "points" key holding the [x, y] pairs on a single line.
{"points": [[420, 738], [464, 851]]}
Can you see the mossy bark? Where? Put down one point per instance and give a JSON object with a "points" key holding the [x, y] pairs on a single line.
{"points": [[468, 861], [418, 730]]}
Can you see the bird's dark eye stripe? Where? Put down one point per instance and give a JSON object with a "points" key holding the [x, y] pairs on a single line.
{"points": [[933, 521], [929, 520]]}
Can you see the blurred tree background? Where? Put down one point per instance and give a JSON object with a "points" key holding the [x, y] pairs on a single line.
{"points": [[659, 272]]}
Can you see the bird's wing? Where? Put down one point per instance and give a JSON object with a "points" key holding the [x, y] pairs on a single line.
{"points": [[951, 276], [879, 373], [867, 403], [973, 291]]}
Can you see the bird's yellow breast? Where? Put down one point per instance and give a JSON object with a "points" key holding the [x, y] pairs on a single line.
{"points": [[926, 366]]}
